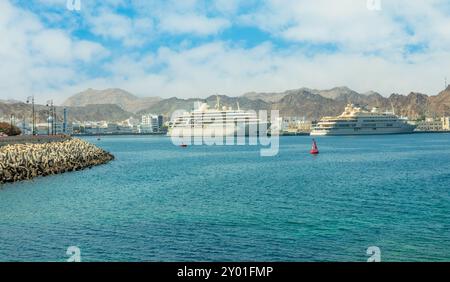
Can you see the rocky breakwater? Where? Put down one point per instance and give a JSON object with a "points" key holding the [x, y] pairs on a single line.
{"points": [[26, 161]]}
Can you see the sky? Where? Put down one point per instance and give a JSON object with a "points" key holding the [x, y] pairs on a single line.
{"points": [[189, 48]]}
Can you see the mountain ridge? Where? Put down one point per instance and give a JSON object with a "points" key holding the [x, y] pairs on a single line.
{"points": [[116, 104], [124, 99], [314, 104]]}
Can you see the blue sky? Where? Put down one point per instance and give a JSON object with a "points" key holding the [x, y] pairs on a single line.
{"points": [[195, 48]]}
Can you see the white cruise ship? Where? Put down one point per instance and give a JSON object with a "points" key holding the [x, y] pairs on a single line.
{"points": [[220, 121], [356, 121]]}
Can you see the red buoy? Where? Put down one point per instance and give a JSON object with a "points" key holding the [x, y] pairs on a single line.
{"points": [[314, 149]]}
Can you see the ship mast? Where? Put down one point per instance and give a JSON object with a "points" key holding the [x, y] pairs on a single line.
{"points": [[392, 108], [218, 102]]}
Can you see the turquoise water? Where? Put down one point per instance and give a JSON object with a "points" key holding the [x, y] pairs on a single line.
{"points": [[159, 202]]}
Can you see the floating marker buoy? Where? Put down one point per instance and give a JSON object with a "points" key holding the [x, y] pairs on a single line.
{"points": [[314, 149]]}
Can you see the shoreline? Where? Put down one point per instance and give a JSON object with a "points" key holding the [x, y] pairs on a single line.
{"points": [[422, 132], [119, 134], [25, 161], [281, 134], [29, 139]]}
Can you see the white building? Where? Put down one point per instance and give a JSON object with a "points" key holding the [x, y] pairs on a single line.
{"points": [[430, 124], [130, 122], [445, 123], [150, 124], [56, 128], [91, 127], [295, 124]]}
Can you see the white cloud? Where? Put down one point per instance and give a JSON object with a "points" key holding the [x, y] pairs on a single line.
{"points": [[351, 25], [219, 67], [228, 6], [35, 59], [53, 46], [131, 32], [88, 51], [192, 24], [371, 48]]}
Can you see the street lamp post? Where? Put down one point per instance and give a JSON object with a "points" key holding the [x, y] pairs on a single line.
{"points": [[50, 115], [30, 99], [54, 120], [11, 125], [23, 125]]}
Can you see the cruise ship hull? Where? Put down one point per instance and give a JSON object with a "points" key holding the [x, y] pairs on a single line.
{"points": [[218, 131], [221, 121]]}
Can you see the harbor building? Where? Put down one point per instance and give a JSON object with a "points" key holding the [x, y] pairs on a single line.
{"points": [[445, 123], [295, 125], [430, 124], [151, 123], [56, 128]]}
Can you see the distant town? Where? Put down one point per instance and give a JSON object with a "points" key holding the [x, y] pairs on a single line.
{"points": [[117, 112], [150, 124]]}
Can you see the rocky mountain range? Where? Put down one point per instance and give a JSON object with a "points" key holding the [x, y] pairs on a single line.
{"points": [[117, 104], [314, 104], [23, 111], [122, 98]]}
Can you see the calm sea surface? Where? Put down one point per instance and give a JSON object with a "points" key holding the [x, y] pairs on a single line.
{"points": [[159, 202]]}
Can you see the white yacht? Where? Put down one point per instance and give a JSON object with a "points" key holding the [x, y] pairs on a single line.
{"points": [[356, 121], [220, 121]]}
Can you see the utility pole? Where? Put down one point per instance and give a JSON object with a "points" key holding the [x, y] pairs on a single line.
{"points": [[11, 125], [33, 116], [23, 125], [65, 121], [54, 120], [50, 116]]}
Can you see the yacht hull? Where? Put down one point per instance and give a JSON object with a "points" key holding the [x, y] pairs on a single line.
{"points": [[362, 131]]}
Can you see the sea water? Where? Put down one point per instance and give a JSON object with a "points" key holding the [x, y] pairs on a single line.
{"points": [[160, 202]]}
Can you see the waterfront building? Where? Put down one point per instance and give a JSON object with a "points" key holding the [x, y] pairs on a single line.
{"points": [[130, 122], [25, 127], [445, 123], [76, 128], [116, 128], [91, 127], [160, 122], [47, 128], [42, 128], [150, 123], [430, 124], [295, 124]]}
